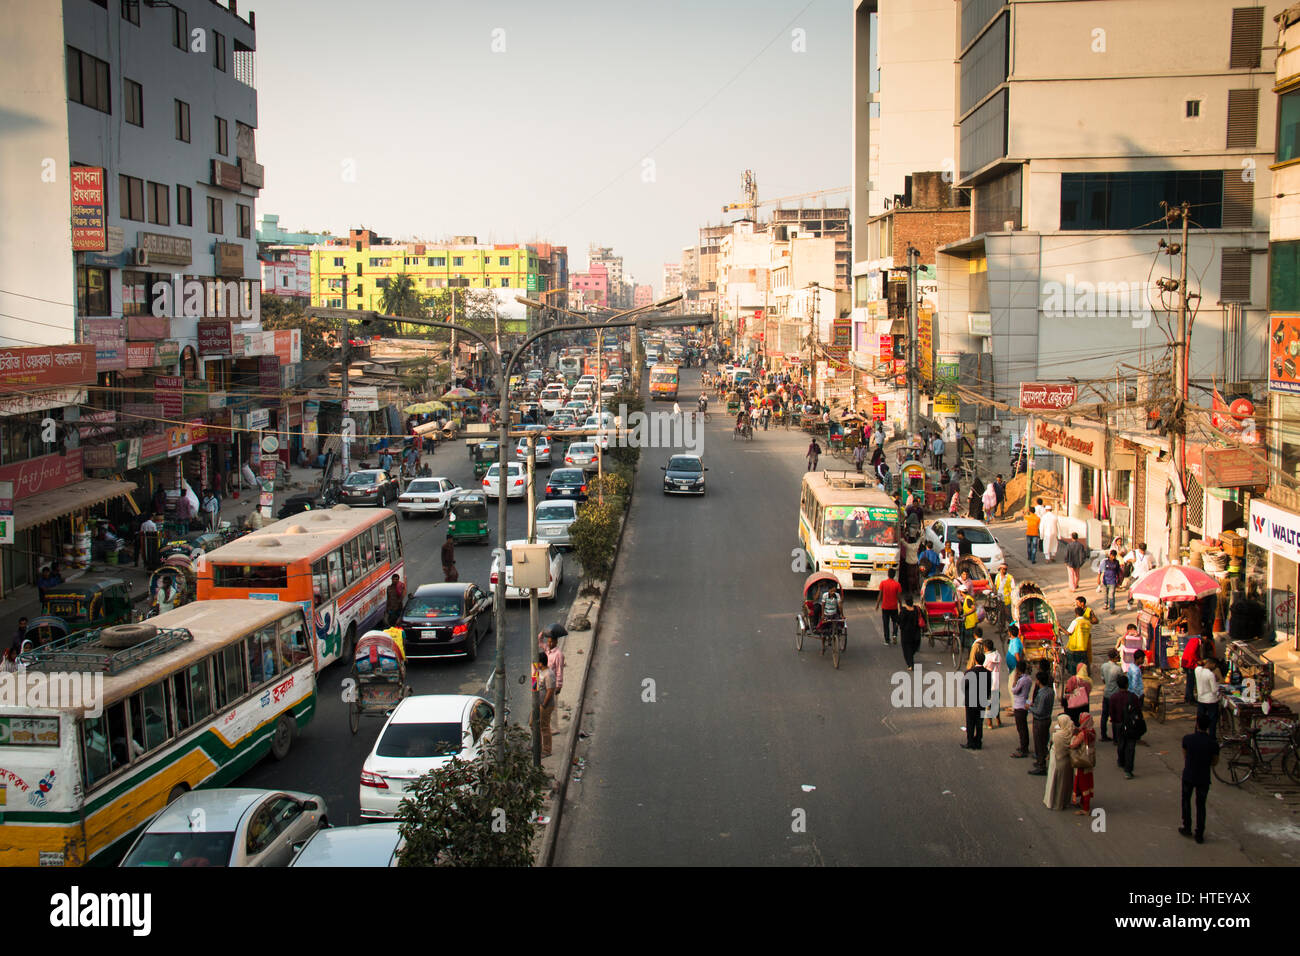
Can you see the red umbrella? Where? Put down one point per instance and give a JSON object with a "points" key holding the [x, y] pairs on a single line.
{"points": [[1178, 582]]}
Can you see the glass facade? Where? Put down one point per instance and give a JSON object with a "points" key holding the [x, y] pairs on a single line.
{"points": [[1288, 126], [1131, 200]]}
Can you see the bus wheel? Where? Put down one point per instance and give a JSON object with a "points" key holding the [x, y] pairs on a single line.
{"points": [[178, 791], [349, 645], [283, 737]]}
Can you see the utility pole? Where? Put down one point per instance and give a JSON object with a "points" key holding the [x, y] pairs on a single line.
{"points": [[535, 705], [913, 361], [1178, 524], [346, 347]]}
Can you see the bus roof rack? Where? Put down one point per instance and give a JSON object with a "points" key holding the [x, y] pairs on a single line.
{"points": [[84, 651], [847, 479]]}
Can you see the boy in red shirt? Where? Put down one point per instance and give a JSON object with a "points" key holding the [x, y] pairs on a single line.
{"points": [[887, 601]]}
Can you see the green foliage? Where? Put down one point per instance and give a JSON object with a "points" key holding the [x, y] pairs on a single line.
{"points": [[595, 536], [612, 484], [479, 812], [402, 298], [319, 336]]}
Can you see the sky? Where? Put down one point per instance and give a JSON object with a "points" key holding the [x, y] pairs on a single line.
{"points": [[571, 121]]}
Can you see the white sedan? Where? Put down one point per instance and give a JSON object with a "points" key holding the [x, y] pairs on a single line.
{"points": [[422, 734], [983, 545], [555, 573], [516, 480], [428, 496]]}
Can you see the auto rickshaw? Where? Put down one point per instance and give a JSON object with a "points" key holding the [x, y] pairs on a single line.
{"points": [[733, 401], [172, 585], [913, 480], [483, 452], [468, 518], [88, 603]]}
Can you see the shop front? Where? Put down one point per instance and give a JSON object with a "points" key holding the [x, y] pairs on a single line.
{"points": [[1085, 496], [1274, 541]]}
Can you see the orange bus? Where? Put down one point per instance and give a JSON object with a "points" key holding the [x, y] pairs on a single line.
{"points": [[336, 563]]}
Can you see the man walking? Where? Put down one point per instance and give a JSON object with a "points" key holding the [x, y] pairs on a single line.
{"points": [[1021, 688], [1207, 696], [1031, 536], [449, 572], [887, 602], [1110, 675], [1191, 654], [1076, 556], [1200, 753], [211, 509], [814, 452], [1000, 490], [1126, 717], [1040, 707], [977, 688], [1049, 532], [546, 702], [395, 600], [909, 627], [936, 450], [555, 661]]}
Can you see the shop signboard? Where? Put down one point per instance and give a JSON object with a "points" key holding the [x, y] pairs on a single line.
{"points": [[229, 258], [196, 397], [1274, 529], [99, 456], [1233, 468], [168, 352], [139, 354], [22, 368], [163, 249], [259, 343], [214, 337], [167, 392], [154, 446], [1042, 397], [45, 473], [1079, 443], [886, 348], [363, 399], [878, 410], [1284, 352], [140, 327], [226, 175], [268, 373], [288, 346], [259, 418], [89, 220], [6, 512], [21, 404]]}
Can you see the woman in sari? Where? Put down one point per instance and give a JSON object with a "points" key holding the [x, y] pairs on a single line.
{"points": [[1056, 796], [1084, 750]]}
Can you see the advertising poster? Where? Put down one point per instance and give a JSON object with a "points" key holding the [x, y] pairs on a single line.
{"points": [[1284, 352]]}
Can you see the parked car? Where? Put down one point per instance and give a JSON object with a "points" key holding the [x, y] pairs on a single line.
{"points": [[516, 481], [541, 453], [567, 483], [555, 575], [372, 486], [983, 544], [430, 496], [446, 620], [377, 844], [584, 455], [240, 827], [684, 475], [553, 519], [422, 734]]}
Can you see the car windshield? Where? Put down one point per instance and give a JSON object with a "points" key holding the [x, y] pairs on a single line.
{"points": [[684, 464], [424, 485], [360, 478], [850, 525], [559, 512], [196, 848], [973, 535], [419, 740], [566, 476], [433, 605]]}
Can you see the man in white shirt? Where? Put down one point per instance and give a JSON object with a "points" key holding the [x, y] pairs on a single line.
{"points": [[1207, 696], [1049, 532], [1138, 562]]}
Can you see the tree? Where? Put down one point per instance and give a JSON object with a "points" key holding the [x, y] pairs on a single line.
{"points": [[479, 812], [319, 336], [401, 297]]}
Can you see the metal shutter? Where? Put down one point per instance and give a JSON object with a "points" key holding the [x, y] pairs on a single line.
{"points": [[1195, 504], [1234, 276], [1247, 37], [1243, 117], [1238, 201]]}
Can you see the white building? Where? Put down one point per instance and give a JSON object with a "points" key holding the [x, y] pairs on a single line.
{"points": [[286, 271]]}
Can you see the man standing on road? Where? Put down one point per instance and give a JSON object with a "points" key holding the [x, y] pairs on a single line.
{"points": [[555, 661], [1079, 635], [1021, 687], [546, 701], [814, 452], [1049, 533], [449, 572], [1031, 536], [964, 546], [910, 623], [1110, 674], [887, 602], [1040, 706], [1200, 753], [1126, 716], [1000, 490], [395, 600], [977, 686], [1076, 556], [936, 450], [1207, 696]]}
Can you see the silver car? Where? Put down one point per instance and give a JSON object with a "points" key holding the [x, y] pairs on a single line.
{"points": [[375, 844], [553, 521], [228, 827], [542, 453], [584, 455]]}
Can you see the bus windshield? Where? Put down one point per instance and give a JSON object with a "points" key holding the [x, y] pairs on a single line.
{"points": [[856, 525]]}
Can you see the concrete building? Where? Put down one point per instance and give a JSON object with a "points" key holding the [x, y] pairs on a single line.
{"points": [[286, 271], [823, 222], [803, 272], [672, 278], [642, 294], [619, 294], [269, 233], [592, 285]]}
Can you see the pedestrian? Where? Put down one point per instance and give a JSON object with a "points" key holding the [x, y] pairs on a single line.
{"points": [[1039, 507], [1129, 643], [449, 572], [219, 485], [1110, 674], [975, 502], [20, 635], [969, 618], [1134, 673], [859, 456], [954, 504], [211, 509], [1050, 533], [936, 450], [1083, 757], [395, 600], [948, 560], [1021, 686], [1127, 723], [1200, 753], [993, 664], [1004, 585], [1078, 691], [887, 602], [976, 692], [1207, 695], [1060, 774], [1076, 556], [1000, 490], [1031, 536], [1191, 655], [1112, 572], [909, 550], [546, 702], [555, 661], [814, 452], [1079, 639], [989, 501], [911, 622], [964, 546], [1015, 648], [146, 541], [1040, 707]]}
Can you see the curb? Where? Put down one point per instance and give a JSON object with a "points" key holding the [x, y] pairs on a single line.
{"points": [[546, 852]]}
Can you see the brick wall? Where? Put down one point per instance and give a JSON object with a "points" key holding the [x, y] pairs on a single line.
{"points": [[927, 229]]}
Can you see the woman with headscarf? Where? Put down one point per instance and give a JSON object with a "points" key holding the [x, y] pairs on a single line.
{"points": [[1056, 795], [1083, 756], [989, 500], [975, 502], [993, 663], [1077, 691]]}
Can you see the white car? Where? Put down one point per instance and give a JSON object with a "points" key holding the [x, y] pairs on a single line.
{"points": [[541, 452], [553, 519], [587, 380], [423, 733], [516, 481], [553, 398], [602, 421], [584, 455], [431, 496], [555, 573], [579, 408], [584, 393], [983, 545]]}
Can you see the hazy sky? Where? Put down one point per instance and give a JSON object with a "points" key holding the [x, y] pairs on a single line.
{"points": [[548, 139]]}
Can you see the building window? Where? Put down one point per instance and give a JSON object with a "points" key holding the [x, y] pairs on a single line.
{"points": [[135, 293], [438, 261], [131, 11], [1131, 200], [88, 81], [245, 221], [338, 261], [1288, 126], [180, 29], [130, 198], [505, 283], [219, 51], [1193, 109], [132, 102], [381, 283], [1243, 118], [1247, 38], [215, 216], [223, 143], [182, 121], [458, 260], [503, 260], [92, 291], [184, 207], [160, 204]]}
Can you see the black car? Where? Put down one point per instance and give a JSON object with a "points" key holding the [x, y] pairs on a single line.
{"points": [[567, 483], [296, 504], [684, 475], [373, 486], [446, 620]]}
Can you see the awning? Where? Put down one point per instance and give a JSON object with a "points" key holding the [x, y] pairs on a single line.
{"points": [[49, 505]]}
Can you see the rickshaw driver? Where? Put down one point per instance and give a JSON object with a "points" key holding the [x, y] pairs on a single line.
{"points": [[830, 606], [968, 619]]}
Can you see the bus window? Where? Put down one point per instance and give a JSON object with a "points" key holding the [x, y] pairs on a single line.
{"points": [[148, 719], [381, 543], [190, 696], [394, 540], [367, 550], [261, 656], [261, 577], [346, 558], [230, 682], [119, 752], [336, 571], [96, 736], [320, 581], [293, 644], [354, 559]]}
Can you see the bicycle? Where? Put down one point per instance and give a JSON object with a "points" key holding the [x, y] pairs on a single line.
{"points": [[1240, 756]]}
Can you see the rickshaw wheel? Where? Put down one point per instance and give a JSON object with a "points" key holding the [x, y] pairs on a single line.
{"points": [[844, 637], [354, 715], [835, 651], [954, 644], [798, 636]]}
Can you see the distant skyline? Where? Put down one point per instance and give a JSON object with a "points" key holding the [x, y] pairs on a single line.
{"points": [[577, 128]]}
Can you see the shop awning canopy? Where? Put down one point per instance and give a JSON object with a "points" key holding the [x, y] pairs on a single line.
{"points": [[49, 505]]}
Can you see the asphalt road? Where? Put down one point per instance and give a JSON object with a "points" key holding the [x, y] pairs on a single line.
{"points": [[715, 743], [326, 758]]}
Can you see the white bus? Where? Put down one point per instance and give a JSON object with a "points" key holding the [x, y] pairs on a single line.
{"points": [[193, 698], [849, 527]]}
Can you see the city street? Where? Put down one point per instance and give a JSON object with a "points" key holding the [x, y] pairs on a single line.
{"points": [[326, 759]]}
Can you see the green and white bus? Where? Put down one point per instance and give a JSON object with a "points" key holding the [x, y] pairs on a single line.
{"points": [[848, 527]]}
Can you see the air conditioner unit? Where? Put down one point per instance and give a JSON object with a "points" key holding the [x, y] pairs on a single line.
{"points": [[141, 257]]}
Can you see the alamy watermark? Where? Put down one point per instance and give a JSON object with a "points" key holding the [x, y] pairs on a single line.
{"points": [[82, 690], [922, 688], [656, 429], [1081, 299]]}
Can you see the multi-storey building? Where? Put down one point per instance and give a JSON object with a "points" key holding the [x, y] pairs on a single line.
{"points": [[286, 271], [642, 294], [269, 233], [620, 292], [672, 278], [827, 223], [592, 285]]}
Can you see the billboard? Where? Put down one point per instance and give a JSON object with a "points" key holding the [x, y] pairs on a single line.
{"points": [[89, 222], [1284, 352]]}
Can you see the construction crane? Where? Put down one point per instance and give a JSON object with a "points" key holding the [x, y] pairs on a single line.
{"points": [[749, 187]]}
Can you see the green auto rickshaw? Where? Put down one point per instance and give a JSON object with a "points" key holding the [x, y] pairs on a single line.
{"points": [[483, 452], [468, 518], [88, 602]]}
